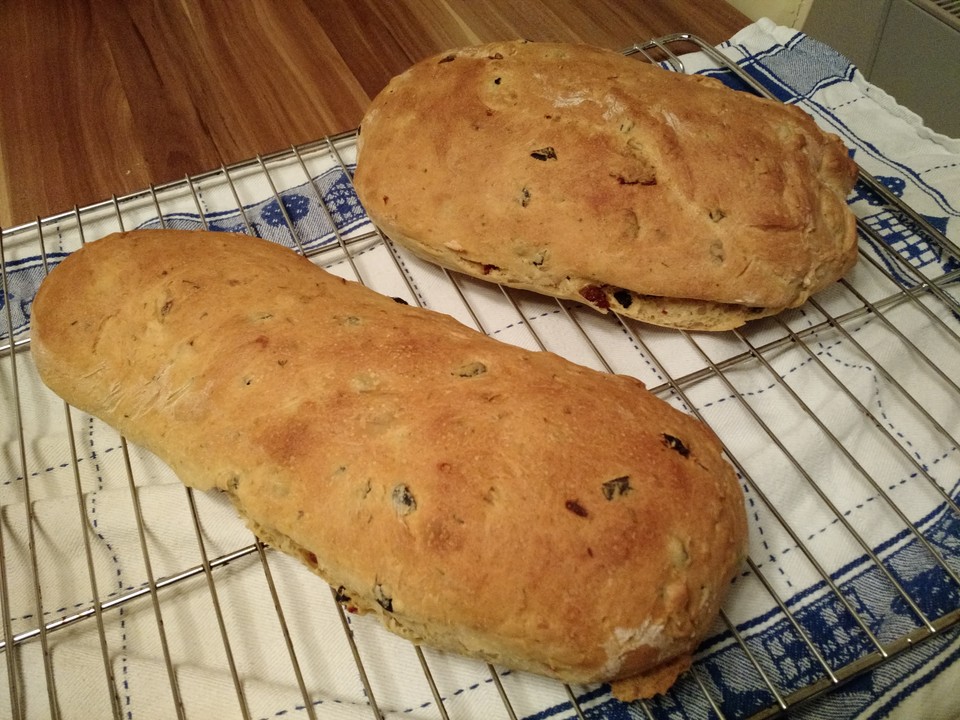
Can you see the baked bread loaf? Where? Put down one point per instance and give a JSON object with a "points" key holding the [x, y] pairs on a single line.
{"points": [[475, 496], [585, 174]]}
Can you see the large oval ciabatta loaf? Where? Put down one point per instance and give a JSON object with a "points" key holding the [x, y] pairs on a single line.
{"points": [[475, 496], [585, 174]]}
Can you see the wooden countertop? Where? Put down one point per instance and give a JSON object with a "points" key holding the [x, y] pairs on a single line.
{"points": [[106, 98]]}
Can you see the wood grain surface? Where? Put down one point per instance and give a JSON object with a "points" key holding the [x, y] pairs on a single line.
{"points": [[102, 98]]}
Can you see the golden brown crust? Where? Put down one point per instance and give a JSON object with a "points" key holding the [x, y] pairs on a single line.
{"points": [[578, 172], [476, 496]]}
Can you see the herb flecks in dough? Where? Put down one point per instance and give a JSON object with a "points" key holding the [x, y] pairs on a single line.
{"points": [[676, 444], [403, 500], [382, 598], [471, 369], [617, 487], [546, 153]]}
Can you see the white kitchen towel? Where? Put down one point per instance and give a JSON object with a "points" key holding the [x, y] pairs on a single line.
{"points": [[850, 485]]}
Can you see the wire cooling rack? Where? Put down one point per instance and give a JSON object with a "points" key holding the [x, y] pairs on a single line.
{"points": [[124, 594]]}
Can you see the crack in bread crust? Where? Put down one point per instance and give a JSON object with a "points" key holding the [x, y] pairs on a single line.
{"points": [[673, 312]]}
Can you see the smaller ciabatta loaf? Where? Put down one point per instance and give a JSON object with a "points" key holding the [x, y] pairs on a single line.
{"points": [[477, 497], [585, 174]]}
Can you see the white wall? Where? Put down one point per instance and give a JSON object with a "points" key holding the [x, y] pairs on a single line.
{"points": [[792, 13]]}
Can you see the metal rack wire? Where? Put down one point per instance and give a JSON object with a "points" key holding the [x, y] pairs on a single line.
{"points": [[70, 636]]}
